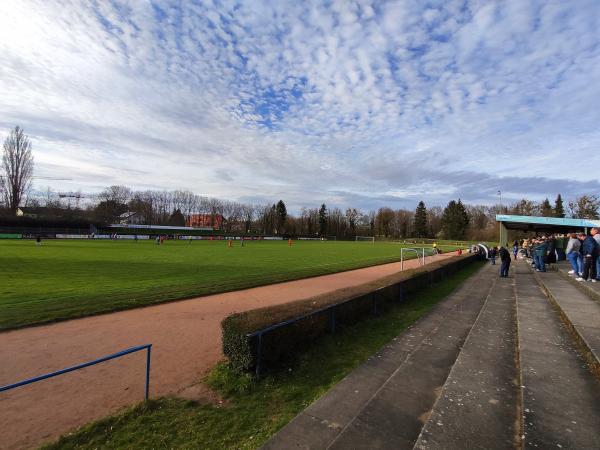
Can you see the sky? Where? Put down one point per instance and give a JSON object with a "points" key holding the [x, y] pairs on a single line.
{"points": [[349, 103]]}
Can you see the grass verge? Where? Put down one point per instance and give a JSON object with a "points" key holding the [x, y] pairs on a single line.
{"points": [[255, 410]]}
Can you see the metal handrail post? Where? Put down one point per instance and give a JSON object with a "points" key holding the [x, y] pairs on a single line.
{"points": [[148, 371], [258, 354]]}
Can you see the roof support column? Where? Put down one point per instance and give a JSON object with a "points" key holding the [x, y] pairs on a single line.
{"points": [[503, 234]]}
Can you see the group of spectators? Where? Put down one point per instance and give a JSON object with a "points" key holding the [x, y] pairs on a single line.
{"points": [[541, 250], [582, 253]]}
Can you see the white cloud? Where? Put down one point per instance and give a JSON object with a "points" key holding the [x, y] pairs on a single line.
{"points": [[254, 99]]}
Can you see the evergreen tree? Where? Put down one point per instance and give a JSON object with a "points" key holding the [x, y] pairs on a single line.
{"points": [[559, 209], [455, 220], [323, 220], [280, 215], [421, 220], [177, 219], [546, 209]]}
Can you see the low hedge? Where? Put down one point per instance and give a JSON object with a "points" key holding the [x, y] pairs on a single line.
{"points": [[264, 337]]}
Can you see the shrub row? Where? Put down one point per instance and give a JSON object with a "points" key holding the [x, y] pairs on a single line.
{"points": [[262, 338]]}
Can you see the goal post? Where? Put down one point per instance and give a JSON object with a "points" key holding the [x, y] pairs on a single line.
{"points": [[420, 252], [370, 239]]}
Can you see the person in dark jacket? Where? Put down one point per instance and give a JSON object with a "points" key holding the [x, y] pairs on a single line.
{"points": [[551, 252], [539, 255], [589, 251], [505, 262], [493, 255]]}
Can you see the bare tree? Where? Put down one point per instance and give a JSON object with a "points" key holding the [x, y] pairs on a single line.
{"points": [[248, 212], [585, 207], [337, 222], [117, 194], [434, 220], [404, 220], [17, 163], [384, 221], [232, 212], [352, 215], [266, 218]]}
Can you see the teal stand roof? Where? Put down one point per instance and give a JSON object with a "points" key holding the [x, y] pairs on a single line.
{"points": [[532, 223]]}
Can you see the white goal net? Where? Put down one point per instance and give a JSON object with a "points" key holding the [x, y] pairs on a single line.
{"points": [[365, 239]]}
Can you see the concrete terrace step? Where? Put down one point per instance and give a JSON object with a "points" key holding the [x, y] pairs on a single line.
{"points": [[561, 398], [579, 312], [591, 289], [384, 403], [479, 407]]}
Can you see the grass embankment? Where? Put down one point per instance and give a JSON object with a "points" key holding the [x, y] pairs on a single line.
{"points": [[66, 278], [255, 410]]}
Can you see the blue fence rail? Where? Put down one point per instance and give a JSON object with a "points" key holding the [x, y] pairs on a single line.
{"points": [[147, 347]]}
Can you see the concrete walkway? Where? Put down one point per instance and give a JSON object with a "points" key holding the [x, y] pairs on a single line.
{"points": [[561, 399], [494, 365], [480, 402]]}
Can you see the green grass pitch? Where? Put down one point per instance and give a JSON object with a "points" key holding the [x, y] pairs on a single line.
{"points": [[68, 278]]}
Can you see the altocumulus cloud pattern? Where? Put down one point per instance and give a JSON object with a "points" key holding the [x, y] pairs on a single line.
{"points": [[357, 103]]}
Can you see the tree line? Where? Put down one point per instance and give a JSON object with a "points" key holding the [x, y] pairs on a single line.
{"points": [[455, 221]]}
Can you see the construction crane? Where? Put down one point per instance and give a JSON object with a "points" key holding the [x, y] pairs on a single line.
{"points": [[76, 195]]}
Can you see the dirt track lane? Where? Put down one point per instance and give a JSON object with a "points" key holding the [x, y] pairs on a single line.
{"points": [[186, 338]]}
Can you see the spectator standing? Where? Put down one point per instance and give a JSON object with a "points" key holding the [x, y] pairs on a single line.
{"points": [[526, 247], [505, 262], [589, 251], [493, 254], [574, 255], [596, 236], [540, 255], [595, 232], [551, 251], [515, 249]]}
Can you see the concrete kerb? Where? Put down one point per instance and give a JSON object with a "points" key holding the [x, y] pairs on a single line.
{"points": [[587, 352], [520, 425]]}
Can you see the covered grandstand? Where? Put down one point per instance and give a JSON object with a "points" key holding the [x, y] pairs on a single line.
{"points": [[542, 225]]}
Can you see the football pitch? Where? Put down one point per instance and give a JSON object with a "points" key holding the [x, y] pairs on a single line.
{"points": [[68, 278]]}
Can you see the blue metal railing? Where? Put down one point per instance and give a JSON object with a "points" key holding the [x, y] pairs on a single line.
{"points": [[147, 347]]}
